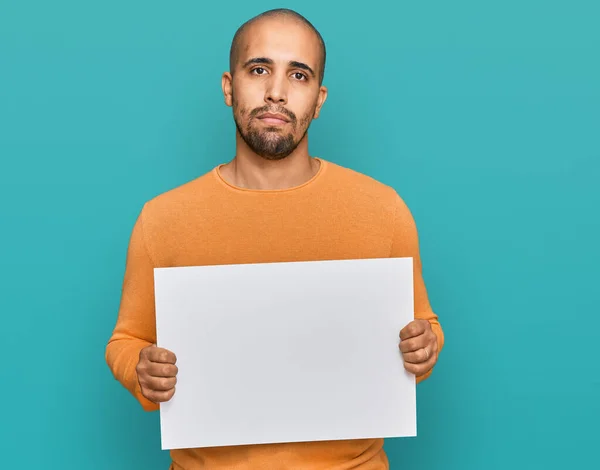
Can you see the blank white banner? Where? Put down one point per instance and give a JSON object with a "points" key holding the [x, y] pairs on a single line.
{"points": [[286, 352]]}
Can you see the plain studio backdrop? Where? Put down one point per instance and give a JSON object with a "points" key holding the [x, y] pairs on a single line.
{"points": [[483, 115]]}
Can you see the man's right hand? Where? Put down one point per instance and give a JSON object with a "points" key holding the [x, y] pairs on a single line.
{"points": [[157, 373]]}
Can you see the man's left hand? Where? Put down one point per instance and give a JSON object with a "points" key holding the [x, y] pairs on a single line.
{"points": [[419, 347]]}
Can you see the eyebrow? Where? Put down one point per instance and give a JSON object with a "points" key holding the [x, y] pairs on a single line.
{"points": [[267, 61]]}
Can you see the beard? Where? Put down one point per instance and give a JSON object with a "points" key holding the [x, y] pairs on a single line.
{"points": [[271, 143]]}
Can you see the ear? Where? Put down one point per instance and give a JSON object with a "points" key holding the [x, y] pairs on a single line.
{"points": [[320, 101], [227, 85]]}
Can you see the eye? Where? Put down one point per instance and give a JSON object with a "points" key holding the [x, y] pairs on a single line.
{"points": [[299, 76], [259, 71]]}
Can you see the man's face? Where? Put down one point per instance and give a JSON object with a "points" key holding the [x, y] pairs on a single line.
{"points": [[275, 91]]}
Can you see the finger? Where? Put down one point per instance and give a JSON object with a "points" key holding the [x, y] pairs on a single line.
{"points": [[160, 369], [159, 397], [160, 384], [165, 356], [425, 341], [413, 344], [144, 352], [418, 356], [421, 368], [414, 328]]}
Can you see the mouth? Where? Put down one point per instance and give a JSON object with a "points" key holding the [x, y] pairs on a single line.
{"points": [[273, 119]]}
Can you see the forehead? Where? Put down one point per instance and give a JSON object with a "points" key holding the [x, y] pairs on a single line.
{"points": [[281, 39]]}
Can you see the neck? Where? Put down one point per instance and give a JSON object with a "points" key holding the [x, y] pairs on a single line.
{"points": [[251, 171]]}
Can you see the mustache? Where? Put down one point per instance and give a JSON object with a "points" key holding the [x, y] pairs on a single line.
{"points": [[267, 109]]}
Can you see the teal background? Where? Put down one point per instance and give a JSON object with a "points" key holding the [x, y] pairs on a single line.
{"points": [[483, 115]]}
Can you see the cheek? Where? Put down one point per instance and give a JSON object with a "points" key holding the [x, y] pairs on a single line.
{"points": [[245, 96], [308, 116], [238, 108], [236, 100], [312, 102], [242, 107]]}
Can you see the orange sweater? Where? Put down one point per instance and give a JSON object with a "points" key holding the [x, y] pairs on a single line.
{"points": [[338, 214]]}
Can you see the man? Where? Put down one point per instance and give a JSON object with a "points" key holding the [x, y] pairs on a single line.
{"points": [[271, 203]]}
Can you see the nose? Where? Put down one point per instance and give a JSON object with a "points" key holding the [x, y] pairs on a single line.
{"points": [[276, 92]]}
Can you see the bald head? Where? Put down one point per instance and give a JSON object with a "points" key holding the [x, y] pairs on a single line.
{"points": [[237, 43]]}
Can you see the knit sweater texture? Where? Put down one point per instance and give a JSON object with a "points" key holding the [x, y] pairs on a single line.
{"points": [[338, 214]]}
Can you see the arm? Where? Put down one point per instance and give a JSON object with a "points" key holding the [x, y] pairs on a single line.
{"points": [[135, 328], [405, 243]]}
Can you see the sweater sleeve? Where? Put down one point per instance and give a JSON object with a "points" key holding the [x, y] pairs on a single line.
{"points": [[135, 326], [405, 243]]}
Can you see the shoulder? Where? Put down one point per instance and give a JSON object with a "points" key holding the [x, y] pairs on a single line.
{"points": [[362, 186], [373, 196], [171, 204]]}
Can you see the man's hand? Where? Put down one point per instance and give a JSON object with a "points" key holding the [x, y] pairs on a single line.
{"points": [[156, 372], [419, 347]]}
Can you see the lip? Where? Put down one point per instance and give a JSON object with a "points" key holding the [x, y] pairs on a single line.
{"points": [[271, 118]]}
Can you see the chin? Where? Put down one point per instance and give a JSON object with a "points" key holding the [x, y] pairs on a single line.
{"points": [[273, 153], [273, 158], [271, 146]]}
